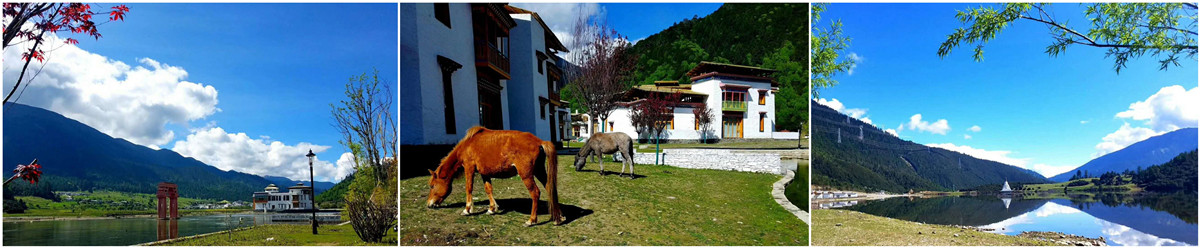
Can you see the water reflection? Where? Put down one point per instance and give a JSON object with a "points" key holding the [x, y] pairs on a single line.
{"points": [[168, 229], [1148, 220]]}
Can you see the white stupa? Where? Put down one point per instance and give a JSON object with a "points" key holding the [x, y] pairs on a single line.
{"points": [[1006, 189]]}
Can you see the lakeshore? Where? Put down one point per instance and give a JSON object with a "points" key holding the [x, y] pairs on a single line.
{"points": [[280, 235], [881, 231]]}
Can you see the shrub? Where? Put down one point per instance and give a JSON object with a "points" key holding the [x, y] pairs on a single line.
{"points": [[371, 204]]}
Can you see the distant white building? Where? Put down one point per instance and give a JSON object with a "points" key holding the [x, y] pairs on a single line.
{"points": [[271, 199], [741, 99]]}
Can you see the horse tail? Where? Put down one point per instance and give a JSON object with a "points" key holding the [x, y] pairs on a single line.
{"points": [[452, 158], [552, 180]]}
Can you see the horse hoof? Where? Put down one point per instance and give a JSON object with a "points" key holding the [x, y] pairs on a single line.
{"points": [[528, 223], [466, 212], [491, 212]]}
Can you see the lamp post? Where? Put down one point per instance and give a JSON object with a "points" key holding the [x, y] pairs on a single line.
{"points": [[312, 199]]}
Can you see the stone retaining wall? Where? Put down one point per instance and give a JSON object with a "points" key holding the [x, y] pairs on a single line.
{"points": [[715, 159], [777, 193]]}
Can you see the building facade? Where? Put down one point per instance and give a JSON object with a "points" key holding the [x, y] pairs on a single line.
{"points": [[295, 198], [485, 64], [740, 98]]}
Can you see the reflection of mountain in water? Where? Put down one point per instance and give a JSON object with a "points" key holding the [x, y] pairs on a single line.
{"points": [[1134, 214], [970, 211]]}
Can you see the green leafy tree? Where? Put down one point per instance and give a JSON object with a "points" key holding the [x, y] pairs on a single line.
{"points": [[827, 45], [1165, 31]]}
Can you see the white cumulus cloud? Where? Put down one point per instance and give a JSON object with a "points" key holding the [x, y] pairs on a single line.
{"points": [[1173, 107], [966, 136], [892, 132], [135, 103], [240, 152], [1004, 157], [857, 60], [975, 128], [1124, 136], [941, 126], [856, 113]]}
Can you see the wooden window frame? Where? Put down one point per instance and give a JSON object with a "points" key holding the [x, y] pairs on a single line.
{"points": [[762, 120], [762, 97]]}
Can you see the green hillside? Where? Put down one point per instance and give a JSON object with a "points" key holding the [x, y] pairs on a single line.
{"points": [[335, 196], [773, 36], [880, 161]]}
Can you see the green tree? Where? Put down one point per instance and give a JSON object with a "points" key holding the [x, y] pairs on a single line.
{"points": [[827, 45], [791, 102], [1167, 31]]}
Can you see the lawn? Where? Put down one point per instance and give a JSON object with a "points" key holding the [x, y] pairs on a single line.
{"points": [[1127, 186], [285, 235], [665, 206], [849, 228]]}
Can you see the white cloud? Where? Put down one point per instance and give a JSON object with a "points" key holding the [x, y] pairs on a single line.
{"points": [[856, 113], [998, 156], [1083, 122], [1052, 170], [975, 128], [237, 151], [941, 126], [1171, 108], [1124, 136], [892, 132], [131, 102], [966, 136], [857, 60]]}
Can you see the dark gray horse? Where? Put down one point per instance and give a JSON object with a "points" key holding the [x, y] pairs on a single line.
{"points": [[607, 143]]}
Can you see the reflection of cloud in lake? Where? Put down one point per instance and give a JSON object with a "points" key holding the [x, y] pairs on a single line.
{"points": [[1052, 208], [1003, 226], [1126, 236]]}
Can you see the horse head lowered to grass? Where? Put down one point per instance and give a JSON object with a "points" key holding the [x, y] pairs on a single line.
{"points": [[499, 154], [607, 143]]}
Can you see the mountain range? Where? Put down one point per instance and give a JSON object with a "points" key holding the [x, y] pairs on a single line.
{"points": [[75, 156], [877, 160], [1151, 151]]}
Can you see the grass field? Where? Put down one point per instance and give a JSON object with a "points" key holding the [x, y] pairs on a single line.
{"points": [[752, 144], [850, 228], [1127, 186], [286, 235], [665, 206], [797, 191]]}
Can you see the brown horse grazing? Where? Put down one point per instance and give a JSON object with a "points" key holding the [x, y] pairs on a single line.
{"points": [[607, 143], [499, 154]]}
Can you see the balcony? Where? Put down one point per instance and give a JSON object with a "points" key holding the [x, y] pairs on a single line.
{"points": [[733, 106], [489, 57]]}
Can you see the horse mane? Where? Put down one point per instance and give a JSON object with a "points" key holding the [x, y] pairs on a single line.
{"points": [[449, 165]]}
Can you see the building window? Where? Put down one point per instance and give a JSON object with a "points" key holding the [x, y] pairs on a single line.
{"points": [[448, 67], [697, 122], [542, 107], [441, 11], [762, 97], [762, 119]]}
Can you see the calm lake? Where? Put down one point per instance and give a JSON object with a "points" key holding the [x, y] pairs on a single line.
{"points": [[120, 232], [1158, 220]]}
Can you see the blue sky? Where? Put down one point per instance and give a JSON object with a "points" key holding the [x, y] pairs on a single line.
{"points": [[1049, 114], [273, 70]]}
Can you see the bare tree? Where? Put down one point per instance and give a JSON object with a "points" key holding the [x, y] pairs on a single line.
{"points": [[605, 65], [366, 123]]}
